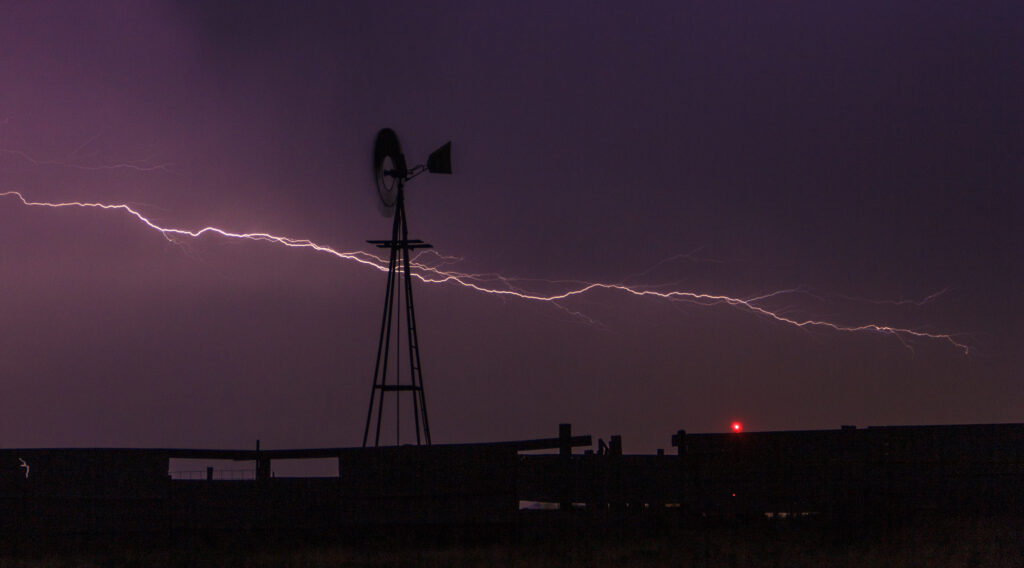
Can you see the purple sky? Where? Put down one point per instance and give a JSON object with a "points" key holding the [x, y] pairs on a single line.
{"points": [[872, 151]]}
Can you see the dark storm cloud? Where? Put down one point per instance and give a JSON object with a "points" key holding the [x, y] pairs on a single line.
{"points": [[868, 150]]}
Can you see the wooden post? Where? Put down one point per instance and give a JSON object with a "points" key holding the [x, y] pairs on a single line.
{"points": [[565, 440], [679, 441], [262, 465], [617, 485], [565, 461]]}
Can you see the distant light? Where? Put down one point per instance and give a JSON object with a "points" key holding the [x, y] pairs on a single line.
{"points": [[737, 426]]}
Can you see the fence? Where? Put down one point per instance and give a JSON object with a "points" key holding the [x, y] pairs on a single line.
{"points": [[847, 472]]}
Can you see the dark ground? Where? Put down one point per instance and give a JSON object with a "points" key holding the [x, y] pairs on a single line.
{"points": [[983, 542]]}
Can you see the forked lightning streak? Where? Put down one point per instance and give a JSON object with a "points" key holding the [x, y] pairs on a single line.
{"points": [[434, 273]]}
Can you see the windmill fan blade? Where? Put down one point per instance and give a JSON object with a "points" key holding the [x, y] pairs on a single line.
{"points": [[384, 209], [388, 169]]}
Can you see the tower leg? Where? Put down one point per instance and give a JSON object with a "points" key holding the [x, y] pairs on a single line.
{"points": [[419, 404], [399, 245], [380, 370]]}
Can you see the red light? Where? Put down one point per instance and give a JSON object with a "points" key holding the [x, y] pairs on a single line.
{"points": [[737, 427]]}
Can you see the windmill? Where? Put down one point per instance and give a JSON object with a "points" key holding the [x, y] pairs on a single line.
{"points": [[391, 175]]}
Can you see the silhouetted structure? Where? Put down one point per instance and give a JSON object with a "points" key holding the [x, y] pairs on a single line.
{"points": [[391, 173], [854, 474]]}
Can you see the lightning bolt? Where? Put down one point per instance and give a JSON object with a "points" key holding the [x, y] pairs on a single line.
{"points": [[435, 272], [902, 302], [140, 166]]}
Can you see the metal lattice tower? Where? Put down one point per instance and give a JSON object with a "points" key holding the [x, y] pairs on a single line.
{"points": [[391, 174]]}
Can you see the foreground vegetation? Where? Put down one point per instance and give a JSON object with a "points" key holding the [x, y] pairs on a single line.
{"points": [[987, 542]]}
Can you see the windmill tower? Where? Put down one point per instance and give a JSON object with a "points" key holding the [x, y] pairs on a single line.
{"points": [[391, 176]]}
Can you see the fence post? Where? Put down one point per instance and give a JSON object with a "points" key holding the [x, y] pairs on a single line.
{"points": [[262, 465], [565, 463], [679, 441]]}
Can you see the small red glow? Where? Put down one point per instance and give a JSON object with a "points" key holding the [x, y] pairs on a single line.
{"points": [[737, 427]]}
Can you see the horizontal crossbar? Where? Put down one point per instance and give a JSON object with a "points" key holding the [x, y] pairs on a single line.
{"points": [[409, 244]]}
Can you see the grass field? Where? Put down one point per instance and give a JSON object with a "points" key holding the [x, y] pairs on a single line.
{"points": [[988, 542]]}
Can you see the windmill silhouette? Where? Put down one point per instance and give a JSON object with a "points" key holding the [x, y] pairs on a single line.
{"points": [[391, 175]]}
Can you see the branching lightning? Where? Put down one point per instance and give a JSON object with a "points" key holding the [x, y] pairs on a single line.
{"points": [[140, 166], [431, 268]]}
